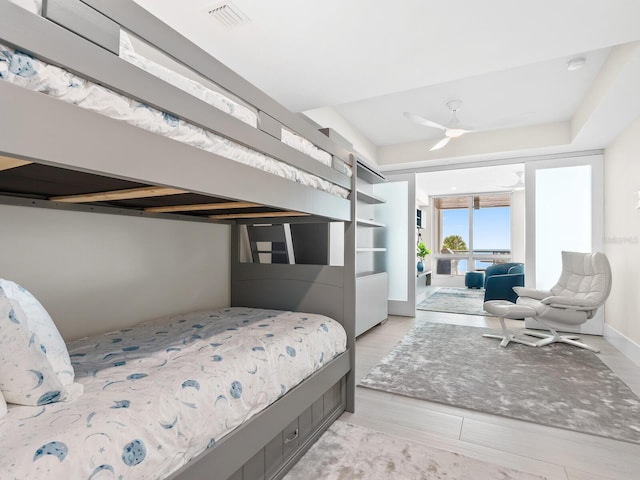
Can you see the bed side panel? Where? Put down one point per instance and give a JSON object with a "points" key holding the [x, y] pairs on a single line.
{"points": [[85, 21]]}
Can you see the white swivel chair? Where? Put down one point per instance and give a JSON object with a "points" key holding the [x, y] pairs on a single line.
{"points": [[584, 285]]}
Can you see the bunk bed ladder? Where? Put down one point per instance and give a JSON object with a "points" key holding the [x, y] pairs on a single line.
{"points": [[271, 243]]}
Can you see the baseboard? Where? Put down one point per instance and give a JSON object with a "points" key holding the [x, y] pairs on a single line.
{"points": [[627, 346]]}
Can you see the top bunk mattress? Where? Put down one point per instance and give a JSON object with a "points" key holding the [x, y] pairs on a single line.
{"points": [[159, 394], [214, 98], [21, 69], [218, 100]]}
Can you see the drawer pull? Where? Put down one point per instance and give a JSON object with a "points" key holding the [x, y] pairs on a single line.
{"points": [[292, 436]]}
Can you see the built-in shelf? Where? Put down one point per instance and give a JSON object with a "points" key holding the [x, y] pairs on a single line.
{"points": [[363, 222], [368, 174], [370, 249], [372, 284], [368, 274], [370, 199]]}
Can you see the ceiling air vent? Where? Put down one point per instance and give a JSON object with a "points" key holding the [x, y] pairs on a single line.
{"points": [[228, 14]]}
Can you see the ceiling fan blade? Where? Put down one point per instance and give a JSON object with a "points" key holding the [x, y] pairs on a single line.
{"points": [[440, 144], [423, 121], [516, 186]]}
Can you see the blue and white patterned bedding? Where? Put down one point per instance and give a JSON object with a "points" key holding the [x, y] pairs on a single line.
{"points": [[161, 393], [217, 100], [23, 70]]}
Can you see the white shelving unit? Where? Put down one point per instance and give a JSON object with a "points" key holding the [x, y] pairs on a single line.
{"points": [[369, 198], [371, 277], [368, 223]]}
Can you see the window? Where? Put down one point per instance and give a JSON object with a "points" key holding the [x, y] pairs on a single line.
{"points": [[472, 232]]}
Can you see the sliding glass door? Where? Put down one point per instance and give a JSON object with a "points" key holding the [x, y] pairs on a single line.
{"points": [[564, 212], [398, 216], [471, 232]]}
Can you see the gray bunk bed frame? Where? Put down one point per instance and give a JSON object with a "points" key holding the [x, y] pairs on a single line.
{"points": [[81, 36]]}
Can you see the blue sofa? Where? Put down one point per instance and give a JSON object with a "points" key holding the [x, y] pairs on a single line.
{"points": [[499, 280]]}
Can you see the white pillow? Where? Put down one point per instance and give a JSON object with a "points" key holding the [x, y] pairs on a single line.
{"points": [[40, 323], [26, 376]]}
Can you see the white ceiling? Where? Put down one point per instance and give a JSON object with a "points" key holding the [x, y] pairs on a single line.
{"points": [[495, 178], [369, 61], [508, 98]]}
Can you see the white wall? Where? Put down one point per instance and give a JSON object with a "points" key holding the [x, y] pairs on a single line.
{"points": [[329, 118], [96, 272], [622, 231]]}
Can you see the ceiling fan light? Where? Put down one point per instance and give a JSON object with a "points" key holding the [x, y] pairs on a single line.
{"points": [[455, 132]]}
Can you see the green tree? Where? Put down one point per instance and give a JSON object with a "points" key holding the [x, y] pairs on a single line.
{"points": [[454, 242]]}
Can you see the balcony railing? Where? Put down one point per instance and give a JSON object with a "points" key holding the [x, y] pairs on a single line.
{"points": [[461, 261]]}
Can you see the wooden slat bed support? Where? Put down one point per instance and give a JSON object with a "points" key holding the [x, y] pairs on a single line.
{"points": [[7, 163], [202, 206], [231, 216], [143, 192]]}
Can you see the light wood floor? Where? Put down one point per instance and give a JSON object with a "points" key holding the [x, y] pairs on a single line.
{"points": [[553, 453]]}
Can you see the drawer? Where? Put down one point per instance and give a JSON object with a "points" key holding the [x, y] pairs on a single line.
{"points": [[273, 455], [280, 449], [305, 424], [269, 461], [237, 475], [291, 439], [332, 399], [317, 412], [254, 468]]}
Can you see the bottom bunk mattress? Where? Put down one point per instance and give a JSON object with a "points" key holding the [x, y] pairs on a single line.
{"points": [[160, 393]]}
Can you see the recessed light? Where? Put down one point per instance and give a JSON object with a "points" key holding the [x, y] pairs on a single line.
{"points": [[576, 63]]}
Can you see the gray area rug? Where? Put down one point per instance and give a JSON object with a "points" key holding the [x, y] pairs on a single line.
{"points": [[557, 385], [455, 300], [347, 452]]}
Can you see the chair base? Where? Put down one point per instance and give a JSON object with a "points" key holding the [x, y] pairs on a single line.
{"points": [[505, 309], [555, 337], [508, 337]]}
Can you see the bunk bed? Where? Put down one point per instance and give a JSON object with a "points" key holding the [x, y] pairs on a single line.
{"points": [[180, 136]]}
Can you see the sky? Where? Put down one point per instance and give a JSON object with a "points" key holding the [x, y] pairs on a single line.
{"points": [[491, 227]]}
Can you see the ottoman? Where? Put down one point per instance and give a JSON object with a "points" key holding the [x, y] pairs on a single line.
{"points": [[474, 279]]}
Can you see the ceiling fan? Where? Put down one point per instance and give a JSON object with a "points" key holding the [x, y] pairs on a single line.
{"points": [[453, 129]]}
